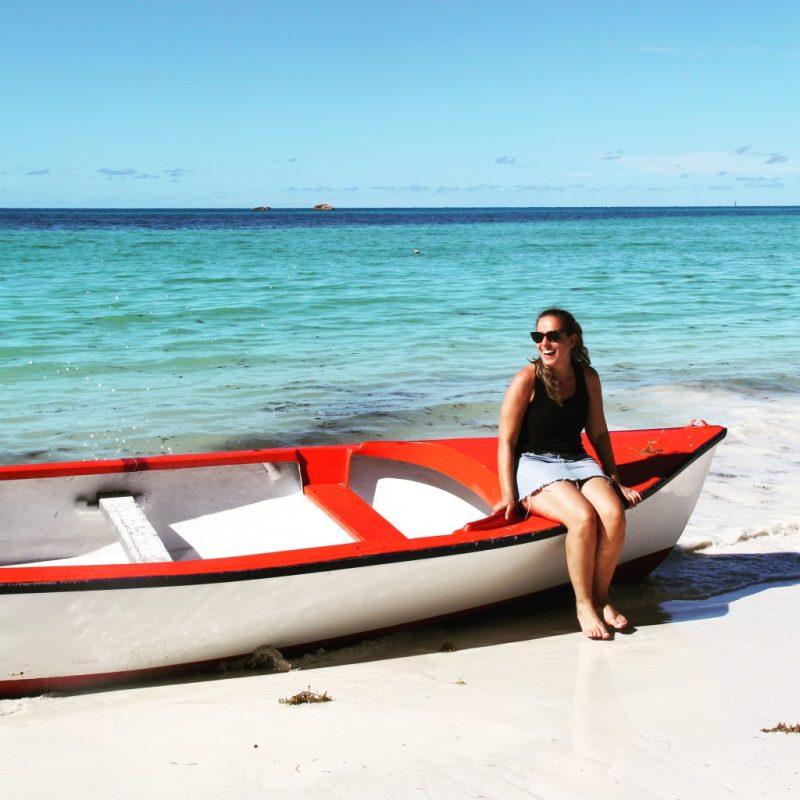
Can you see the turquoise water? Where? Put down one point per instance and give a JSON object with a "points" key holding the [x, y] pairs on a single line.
{"points": [[143, 332]]}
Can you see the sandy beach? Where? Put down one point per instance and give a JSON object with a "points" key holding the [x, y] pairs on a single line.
{"points": [[523, 707]]}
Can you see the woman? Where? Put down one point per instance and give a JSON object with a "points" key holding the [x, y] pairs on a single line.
{"points": [[543, 464]]}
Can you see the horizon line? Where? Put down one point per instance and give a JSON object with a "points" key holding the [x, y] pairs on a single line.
{"points": [[257, 209]]}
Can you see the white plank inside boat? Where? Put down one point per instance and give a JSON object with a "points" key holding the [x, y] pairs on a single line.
{"points": [[138, 537]]}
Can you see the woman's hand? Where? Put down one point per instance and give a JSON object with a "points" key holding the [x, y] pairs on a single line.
{"points": [[632, 497], [510, 508]]}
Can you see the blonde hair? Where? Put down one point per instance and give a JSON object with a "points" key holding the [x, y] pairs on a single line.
{"points": [[580, 355]]}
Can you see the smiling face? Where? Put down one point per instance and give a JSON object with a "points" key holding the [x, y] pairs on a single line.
{"points": [[556, 355]]}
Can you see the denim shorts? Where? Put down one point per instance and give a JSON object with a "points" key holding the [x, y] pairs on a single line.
{"points": [[537, 470]]}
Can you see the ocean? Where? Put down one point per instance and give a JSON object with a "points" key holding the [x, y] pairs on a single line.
{"points": [[131, 332]]}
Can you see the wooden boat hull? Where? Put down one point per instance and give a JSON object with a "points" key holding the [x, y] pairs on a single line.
{"points": [[66, 624]]}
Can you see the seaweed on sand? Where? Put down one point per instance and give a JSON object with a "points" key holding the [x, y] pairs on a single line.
{"points": [[306, 697], [782, 727]]}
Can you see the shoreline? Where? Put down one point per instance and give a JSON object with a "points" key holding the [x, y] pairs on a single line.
{"points": [[520, 708], [664, 404]]}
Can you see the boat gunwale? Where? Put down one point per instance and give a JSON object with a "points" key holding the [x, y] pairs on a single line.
{"points": [[54, 578]]}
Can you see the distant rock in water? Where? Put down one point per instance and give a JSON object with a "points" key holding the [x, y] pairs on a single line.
{"points": [[324, 207], [263, 208]]}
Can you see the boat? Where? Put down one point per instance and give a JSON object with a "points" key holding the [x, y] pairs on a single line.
{"points": [[124, 569]]}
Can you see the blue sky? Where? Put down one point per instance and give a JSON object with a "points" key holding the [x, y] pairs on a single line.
{"points": [[434, 103]]}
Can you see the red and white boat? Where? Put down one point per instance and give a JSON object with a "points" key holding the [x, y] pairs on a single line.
{"points": [[118, 569]]}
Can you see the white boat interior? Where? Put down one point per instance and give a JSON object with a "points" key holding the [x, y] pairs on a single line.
{"points": [[218, 511]]}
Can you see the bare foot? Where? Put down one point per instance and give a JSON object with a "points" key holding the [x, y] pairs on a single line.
{"points": [[591, 624], [613, 618]]}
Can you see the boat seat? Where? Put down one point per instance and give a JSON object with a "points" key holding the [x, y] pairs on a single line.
{"points": [[466, 468], [139, 539], [354, 514]]}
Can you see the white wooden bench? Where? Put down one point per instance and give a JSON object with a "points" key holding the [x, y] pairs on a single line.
{"points": [[139, 539]]}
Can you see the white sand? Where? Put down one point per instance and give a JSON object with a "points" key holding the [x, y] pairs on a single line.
{"points": [[670, 711]]}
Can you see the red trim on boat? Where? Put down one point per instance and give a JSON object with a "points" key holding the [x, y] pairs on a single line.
{"points": [[643, 465], [477, 470]]}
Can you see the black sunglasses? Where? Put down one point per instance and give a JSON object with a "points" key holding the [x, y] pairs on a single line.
{"points": [[551, 336]]}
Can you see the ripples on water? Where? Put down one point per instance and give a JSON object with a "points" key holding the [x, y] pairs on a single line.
{"points": [[147, 331]]}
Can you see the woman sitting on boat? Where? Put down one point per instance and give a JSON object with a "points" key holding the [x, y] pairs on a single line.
{"points": [[543, 464]]}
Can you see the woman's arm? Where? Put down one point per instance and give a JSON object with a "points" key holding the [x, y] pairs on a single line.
{"points": [[597, 431], [518, 396]]}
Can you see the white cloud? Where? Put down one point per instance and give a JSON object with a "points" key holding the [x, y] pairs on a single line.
{"points": [[709, 163], [510, 161], [117, 173]]}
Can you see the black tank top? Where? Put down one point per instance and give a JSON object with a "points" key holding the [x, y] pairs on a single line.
{"points": [[550, 428]]}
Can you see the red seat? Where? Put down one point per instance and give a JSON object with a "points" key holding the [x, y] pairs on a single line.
{"points": [[354, 514]]}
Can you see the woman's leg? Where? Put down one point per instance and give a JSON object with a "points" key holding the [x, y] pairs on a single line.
{"points": [[563, 502], [610, 539]]}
